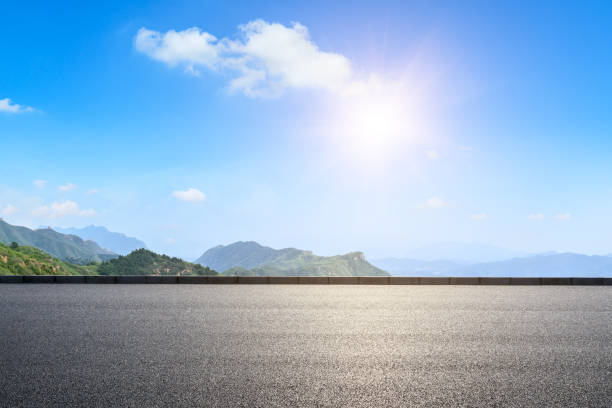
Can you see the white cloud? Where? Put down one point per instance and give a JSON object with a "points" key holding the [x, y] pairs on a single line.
{"points": [[62, 209], [92, 191], [268, 59], [563, 217], [535, 217], [191, 47], [40, 183], [191, 195], [480, 217], [67, 187], [169, 241], [8, 210], [432, 154], [6, 105], [434, 202]]}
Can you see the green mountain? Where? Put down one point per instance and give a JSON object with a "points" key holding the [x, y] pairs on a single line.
{"points": [[24, 260], [252, 259], [68, 248], [144, 262]]}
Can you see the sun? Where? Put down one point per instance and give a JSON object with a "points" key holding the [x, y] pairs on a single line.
{"points": [[373, 125]]}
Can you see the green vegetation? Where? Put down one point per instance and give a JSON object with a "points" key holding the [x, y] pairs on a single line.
{"points": [[252, 259], [144, 262], [25, 260], [68, 248]]}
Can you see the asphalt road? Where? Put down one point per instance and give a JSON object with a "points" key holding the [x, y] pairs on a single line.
{"points": [[310, 346]]}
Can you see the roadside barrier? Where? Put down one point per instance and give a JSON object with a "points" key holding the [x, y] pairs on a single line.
{"points": [[304, 280]]}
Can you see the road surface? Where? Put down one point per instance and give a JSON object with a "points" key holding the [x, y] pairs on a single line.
{"points": [[304, 346]]}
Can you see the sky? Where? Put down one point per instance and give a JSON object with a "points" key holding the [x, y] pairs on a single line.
{"points": [[329, 126]]}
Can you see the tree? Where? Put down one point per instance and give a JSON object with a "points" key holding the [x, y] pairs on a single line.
{"points": [[14, 245]]}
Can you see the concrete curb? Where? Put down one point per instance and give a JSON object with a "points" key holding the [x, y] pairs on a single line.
{"points": [[131, 279], [343, 280], [283, 280], [304, 280], [100, 279], [69, 279], [373, 280], [587, 281], [404, 280], [11, 279], [192, 279], [162, 279], [556, 281], [465, 281], [525, 281], [494, 281], [219, 279], [253, 280], [434, 281], [313, 280], [39, 279]]}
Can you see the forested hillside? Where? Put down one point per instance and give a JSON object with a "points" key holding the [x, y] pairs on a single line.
{"points": [[144, 262]]}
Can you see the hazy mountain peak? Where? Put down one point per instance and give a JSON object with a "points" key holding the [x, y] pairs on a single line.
{"points": [[114, 241]]}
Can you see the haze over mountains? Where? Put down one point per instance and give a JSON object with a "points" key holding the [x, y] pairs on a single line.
{"points": [[114, 241], [461, 253], [69, 248], [550, 264], [252, 259]]}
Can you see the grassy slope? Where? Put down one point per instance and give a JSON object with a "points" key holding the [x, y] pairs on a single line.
{"points": [[32, 261]]}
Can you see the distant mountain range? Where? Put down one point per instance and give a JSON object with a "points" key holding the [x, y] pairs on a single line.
{"points": [[70, 248], [544, 265], [253, 259], [113, 241], [461, 253], [555, 265], [416, 267]]}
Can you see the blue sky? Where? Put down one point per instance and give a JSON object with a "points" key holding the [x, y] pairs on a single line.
{"points": [[373, 126]]}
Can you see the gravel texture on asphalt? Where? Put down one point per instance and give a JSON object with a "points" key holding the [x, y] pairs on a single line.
{"points": [[304, 346]]}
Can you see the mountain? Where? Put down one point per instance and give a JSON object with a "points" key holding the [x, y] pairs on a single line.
{"points": [[114, 241], [144, 262], [65, 247], [245, 255], [253, 259], [462, 253], [25, 260], [416, 267], [549, 264], [555, 265]]}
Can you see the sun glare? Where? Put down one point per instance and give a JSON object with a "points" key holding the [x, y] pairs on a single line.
{"points": [[373, 125]]}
